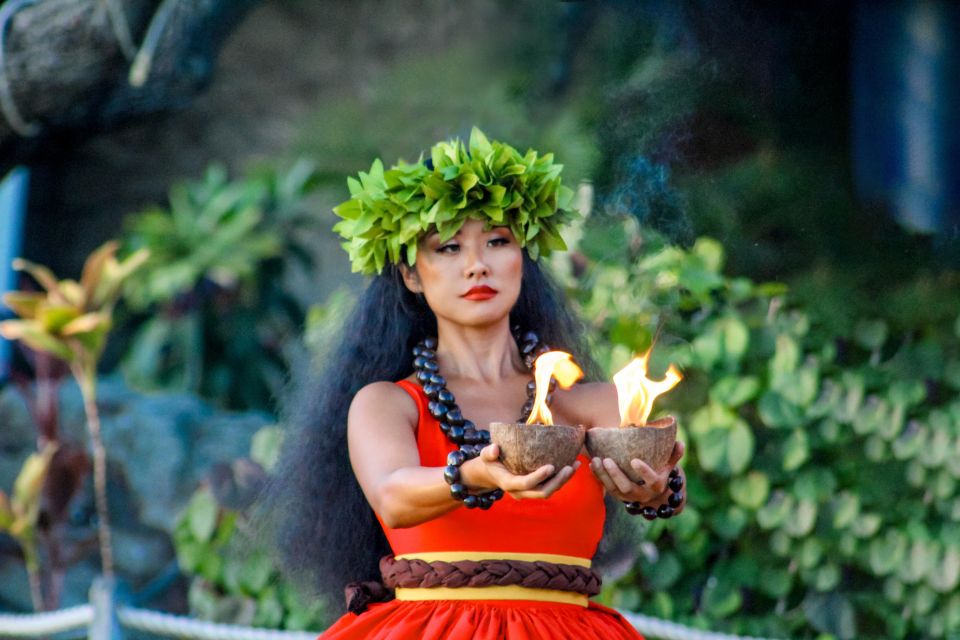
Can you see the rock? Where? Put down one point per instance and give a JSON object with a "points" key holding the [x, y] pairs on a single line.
{"points": [[159, 447]]}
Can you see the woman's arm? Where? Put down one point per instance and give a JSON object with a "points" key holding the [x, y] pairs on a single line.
{"points": [[383, 452]]}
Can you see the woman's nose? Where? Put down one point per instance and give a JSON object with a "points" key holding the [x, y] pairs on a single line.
{"points": [[476, 267]]}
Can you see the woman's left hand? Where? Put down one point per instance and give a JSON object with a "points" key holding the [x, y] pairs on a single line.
{"points": [[652, 492]]}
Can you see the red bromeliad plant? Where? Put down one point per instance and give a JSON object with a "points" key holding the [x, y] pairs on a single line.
{"points": [[70, 320]]}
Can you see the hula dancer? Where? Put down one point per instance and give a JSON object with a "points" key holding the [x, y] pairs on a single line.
{"points": [[391, 485]]}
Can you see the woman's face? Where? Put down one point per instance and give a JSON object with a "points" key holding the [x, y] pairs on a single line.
{"points": [[472, 279]]}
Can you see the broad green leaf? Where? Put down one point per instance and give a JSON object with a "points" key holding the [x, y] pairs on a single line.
{"points": [[201, 514], [775, 582], [826, 577], [800, 522], [729, 523], [870, 334], [945, 574], [831, 613], [866, 525], [733, 391], [665, 571], [830, 430], [816, 484], [810, 553], [265, 446], [721, 599], [846, 507], [829, 398], [799, 386], [846, 410], [751, 490], [786, 357], [922, 599], [724, 449], [894, 590], [777, 412], [796, 450], [918, 562], [256, 572], [736, 338], [710, 253], [269, 610], [907, 392], [869, 416], [776, 510], [707, 349], [887, 552], [741, 447]]}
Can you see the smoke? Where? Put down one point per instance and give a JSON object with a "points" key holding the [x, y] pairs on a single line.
{"points": [[642, 190]]}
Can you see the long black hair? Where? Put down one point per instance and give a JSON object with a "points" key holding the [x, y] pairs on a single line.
{"points": [[327, 534]]}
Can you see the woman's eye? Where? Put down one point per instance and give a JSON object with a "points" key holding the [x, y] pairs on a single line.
{"points": [[448, 248], [498, 241]]}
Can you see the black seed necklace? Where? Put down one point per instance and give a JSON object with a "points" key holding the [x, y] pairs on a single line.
{"points": [[460, 431]]}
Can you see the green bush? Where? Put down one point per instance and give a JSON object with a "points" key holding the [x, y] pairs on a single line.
{"points": [[822, 467], [215, 287], [232, 578]]}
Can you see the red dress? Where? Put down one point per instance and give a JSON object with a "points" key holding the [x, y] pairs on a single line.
{"points": [[565, 528]]}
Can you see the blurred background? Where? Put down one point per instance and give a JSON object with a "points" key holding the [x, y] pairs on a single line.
{"points": [[774, 186]]}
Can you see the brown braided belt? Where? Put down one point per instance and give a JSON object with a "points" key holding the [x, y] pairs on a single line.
{"points": [[420, 574]]}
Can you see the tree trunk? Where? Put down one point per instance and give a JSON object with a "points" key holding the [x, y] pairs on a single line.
{"points": [[67, 69]]}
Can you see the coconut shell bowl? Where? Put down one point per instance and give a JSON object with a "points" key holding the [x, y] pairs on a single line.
{"points": [[524, 448], [652, 443]]}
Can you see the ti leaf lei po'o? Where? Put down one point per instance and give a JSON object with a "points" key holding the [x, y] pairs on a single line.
{"points": [[389, 211]]}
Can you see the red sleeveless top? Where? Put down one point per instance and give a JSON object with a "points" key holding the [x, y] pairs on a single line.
{"points": [[569, 523]]}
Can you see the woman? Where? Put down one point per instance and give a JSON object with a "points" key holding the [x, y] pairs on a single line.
{"points": [[441, 342]]}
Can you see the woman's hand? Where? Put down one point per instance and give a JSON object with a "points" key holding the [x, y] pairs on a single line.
{"points": [[653, 492], [487, 472]]}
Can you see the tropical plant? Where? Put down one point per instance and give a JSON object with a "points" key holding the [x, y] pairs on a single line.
{"points": [[233, 580], [822, 466], [216, 315], [71, 320], [61, 539], [20, 511]]}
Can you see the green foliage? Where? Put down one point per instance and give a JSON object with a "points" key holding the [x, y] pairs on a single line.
{"points": [[233, 580], [214, 285], [71, 320], [389, 211], [19, 512], [823, 493]]}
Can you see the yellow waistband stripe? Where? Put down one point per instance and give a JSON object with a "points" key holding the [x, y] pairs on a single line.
{"points": [[454, 556], [512, 592]]}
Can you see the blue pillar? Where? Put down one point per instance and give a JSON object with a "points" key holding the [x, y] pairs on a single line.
{"points": [[13, 205], [906, 111]]}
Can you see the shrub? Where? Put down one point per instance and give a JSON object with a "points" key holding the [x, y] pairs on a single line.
{"points": [[822, 467]]}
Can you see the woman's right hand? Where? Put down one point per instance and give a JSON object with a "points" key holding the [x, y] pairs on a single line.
{"points": [[487, 472]]}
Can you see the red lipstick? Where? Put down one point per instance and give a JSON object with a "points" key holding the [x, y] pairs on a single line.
{"points": [[481, 292]]}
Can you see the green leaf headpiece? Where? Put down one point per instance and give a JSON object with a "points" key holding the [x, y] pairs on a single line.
{"points": [[389, 211]]}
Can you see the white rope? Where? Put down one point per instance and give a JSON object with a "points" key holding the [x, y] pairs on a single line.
{"points": [[655, 628], [171, 626], [179, 627], [34, 625]]}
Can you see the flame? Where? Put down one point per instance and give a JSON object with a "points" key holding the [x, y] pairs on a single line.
{"points": [[559, 365], [636, 392]]}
